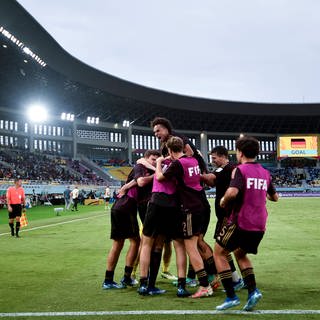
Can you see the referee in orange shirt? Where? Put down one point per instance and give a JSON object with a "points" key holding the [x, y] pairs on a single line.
{"points": [[15, 202]]}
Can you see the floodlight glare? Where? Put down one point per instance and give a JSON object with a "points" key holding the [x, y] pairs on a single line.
{"points": [[126, 123], [37, 113], [67, 116], [93, 120]]}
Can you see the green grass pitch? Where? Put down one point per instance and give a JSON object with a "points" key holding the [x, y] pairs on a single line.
{"points": [[59, 265]]}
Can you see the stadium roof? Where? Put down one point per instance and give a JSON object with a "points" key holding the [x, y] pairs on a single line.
{"points": [[45, 71]]}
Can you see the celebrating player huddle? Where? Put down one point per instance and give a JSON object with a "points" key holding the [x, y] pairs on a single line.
{"points": [[168, 192]]}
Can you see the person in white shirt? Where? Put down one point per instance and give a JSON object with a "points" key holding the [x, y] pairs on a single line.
{"points": [[75, 198], [106, 198]]}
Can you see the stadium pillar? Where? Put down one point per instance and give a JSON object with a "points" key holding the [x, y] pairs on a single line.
{"points": [[130, 144], [204, 145]]}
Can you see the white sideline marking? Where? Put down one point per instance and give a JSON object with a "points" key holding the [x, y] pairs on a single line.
{"points": [[54, 224], [157, 312]]}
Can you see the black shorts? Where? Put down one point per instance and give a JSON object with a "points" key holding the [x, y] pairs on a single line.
{"points": [[232, 238], [106, 199], [191, 224], [161, 220], [124, 222], [16, 211], [219, 225]]}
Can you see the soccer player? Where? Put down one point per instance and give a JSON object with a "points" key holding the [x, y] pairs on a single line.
{"points": [[163, 130], [143, 177], [124, 225], [249, 187], [221, 178], [15, 202], [194, 205], [160, 222], [135, 193]]}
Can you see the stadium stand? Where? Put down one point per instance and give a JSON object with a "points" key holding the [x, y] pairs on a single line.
{"points": [[119, 173], [79, 150], [42, 168]]}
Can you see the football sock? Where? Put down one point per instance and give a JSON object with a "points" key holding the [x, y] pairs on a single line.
{"points": [[143, 282], [202, 277], [17, 227], [226, 279], [127, 272], [191, 273], [155, 262], [109, 276], [182, 283], [12, 228], [249, 279]]}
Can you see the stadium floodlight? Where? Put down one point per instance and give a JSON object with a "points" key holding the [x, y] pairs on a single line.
{"points": [[26, 50], [126, 123], [67, 116], [37, 113], [21, 45], [93, 120]]}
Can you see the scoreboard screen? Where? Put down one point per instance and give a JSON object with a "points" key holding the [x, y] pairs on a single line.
{"points": [[298, 146]]}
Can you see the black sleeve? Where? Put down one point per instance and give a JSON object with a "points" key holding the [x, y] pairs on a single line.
{"points": [[237, 181], [139, 171], [130, 176], [174, 170]]}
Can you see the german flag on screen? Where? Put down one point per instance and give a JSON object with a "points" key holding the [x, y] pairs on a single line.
{"points": [[298, 143]]}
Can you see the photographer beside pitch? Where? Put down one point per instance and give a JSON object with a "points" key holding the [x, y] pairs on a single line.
{"points": [[249, 187], [15, 202]]}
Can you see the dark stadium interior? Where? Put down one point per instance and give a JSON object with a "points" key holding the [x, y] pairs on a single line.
{"points": [[69, 84]]}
